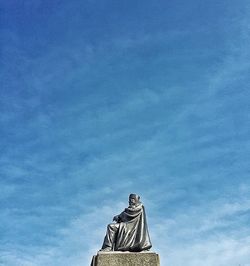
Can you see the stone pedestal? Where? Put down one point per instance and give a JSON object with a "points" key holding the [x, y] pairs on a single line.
{"points": [[126, 259]]}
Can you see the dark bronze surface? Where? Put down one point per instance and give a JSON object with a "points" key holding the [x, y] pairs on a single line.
{"points": [[130, 230]]}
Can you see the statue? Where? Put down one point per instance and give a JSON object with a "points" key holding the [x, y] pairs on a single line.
{"points": [[130, 231]]}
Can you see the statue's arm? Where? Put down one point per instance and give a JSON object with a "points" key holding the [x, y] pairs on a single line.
{"points": [[117, 218]]}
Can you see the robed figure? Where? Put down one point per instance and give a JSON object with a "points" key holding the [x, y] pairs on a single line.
{"points": [[130, 232]]}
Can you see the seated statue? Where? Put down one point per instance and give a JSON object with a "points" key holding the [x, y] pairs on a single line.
{"points": [[130, 232]]}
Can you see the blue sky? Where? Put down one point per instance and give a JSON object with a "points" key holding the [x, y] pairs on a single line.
{"points": [[100, 99]]}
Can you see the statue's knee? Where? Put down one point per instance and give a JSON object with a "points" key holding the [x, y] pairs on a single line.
{"points": [[112, 226], [109, 226]]}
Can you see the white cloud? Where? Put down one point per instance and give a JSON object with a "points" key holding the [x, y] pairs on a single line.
{"points": [[204, 235]]}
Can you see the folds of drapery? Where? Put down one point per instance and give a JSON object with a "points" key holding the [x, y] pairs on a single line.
{"points": [[133, 233]]}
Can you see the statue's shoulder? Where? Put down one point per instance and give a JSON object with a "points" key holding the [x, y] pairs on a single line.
{"points": [[137, 208]]}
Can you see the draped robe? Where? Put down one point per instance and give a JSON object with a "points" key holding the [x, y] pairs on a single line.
{"points": [[132, 234]]}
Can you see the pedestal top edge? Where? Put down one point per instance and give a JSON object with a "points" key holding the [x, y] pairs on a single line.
{"points": [[125, 252]]}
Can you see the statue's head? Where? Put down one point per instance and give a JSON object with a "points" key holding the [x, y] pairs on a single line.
{"points": [[134, 200]]}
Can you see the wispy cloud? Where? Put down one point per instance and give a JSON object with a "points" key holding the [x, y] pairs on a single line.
{"points": [[206, 234], [163, 113]]}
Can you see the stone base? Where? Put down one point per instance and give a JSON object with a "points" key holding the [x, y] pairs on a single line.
{"points": [[126, 259]]}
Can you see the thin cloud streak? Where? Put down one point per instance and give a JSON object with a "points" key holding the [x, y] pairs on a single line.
{"points": [[91, 121]]}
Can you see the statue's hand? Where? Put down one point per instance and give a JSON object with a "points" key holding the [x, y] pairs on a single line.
{"points": [[116, 218]]}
